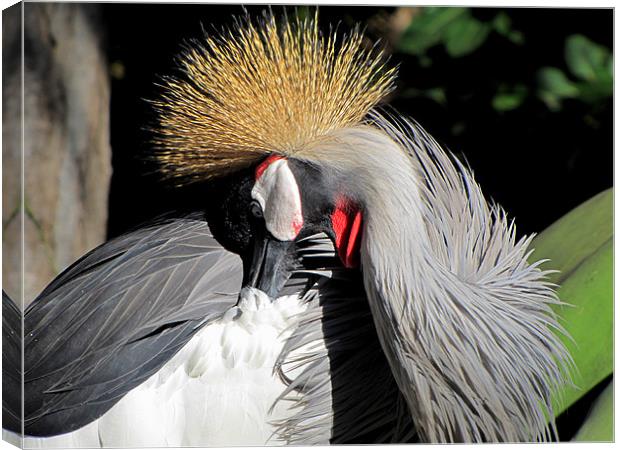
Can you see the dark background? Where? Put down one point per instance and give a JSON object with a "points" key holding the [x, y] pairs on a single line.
{"points": [[538, 162]]}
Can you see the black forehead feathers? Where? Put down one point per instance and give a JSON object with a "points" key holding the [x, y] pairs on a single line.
{"points": [[228, 209]]}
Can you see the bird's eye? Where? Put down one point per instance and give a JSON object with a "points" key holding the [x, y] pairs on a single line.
{"points": [[256, 210]]}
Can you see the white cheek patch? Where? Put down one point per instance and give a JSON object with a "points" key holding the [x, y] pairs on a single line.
{"points": [[277, 193]]}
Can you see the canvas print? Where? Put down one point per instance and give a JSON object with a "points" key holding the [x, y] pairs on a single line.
{"points": [[306, 225]]}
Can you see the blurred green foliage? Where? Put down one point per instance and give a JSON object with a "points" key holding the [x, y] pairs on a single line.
{"points": [[460, 33], [509, 97], [591, 66], [455, 28], [527, 101]]}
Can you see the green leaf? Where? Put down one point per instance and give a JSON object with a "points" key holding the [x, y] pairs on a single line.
{"points": [[502, 25], [428, 28], [589, 322], [437, 94], [576, 236], [586, 59], [553, 80], [594, 91], [555, 86], [509, 98], [516, 37], [506, 102], [465, 35], [599, 425], [580, 246]]}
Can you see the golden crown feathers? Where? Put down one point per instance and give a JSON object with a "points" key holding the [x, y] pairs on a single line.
{"points": [[262, 88]]}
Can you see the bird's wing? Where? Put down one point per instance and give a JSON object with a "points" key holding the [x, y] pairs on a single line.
{"points": [[11, 365], [116, 316], [335, 361]]}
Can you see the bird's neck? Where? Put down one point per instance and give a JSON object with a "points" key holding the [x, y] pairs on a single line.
{"points": [[381, 177], [398, 266]]}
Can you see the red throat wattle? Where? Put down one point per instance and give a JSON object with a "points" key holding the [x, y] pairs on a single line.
{"points": [[347, 225]]}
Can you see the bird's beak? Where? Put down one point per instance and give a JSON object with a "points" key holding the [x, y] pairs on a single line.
{"points": [[269, 265]]}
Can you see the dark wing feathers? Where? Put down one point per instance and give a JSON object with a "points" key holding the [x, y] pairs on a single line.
{"points": [[11, 365], [116, 316]]}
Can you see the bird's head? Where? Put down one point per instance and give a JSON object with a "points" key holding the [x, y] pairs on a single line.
{"points": [[248, 112], [266, 209]]}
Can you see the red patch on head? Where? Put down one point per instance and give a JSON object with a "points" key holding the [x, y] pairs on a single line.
{"points": [[260, 169], [347, 225]]}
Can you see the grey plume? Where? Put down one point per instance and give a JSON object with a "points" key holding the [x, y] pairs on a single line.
{"points": [[465, 321]]}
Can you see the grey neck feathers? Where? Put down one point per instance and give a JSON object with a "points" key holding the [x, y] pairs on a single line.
{"points": [[465, 321]]}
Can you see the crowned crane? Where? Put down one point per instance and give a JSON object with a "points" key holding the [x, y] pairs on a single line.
{"points": [[349, 284]]}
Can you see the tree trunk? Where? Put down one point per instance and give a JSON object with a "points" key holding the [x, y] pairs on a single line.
{"points": [[66, 145]]}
